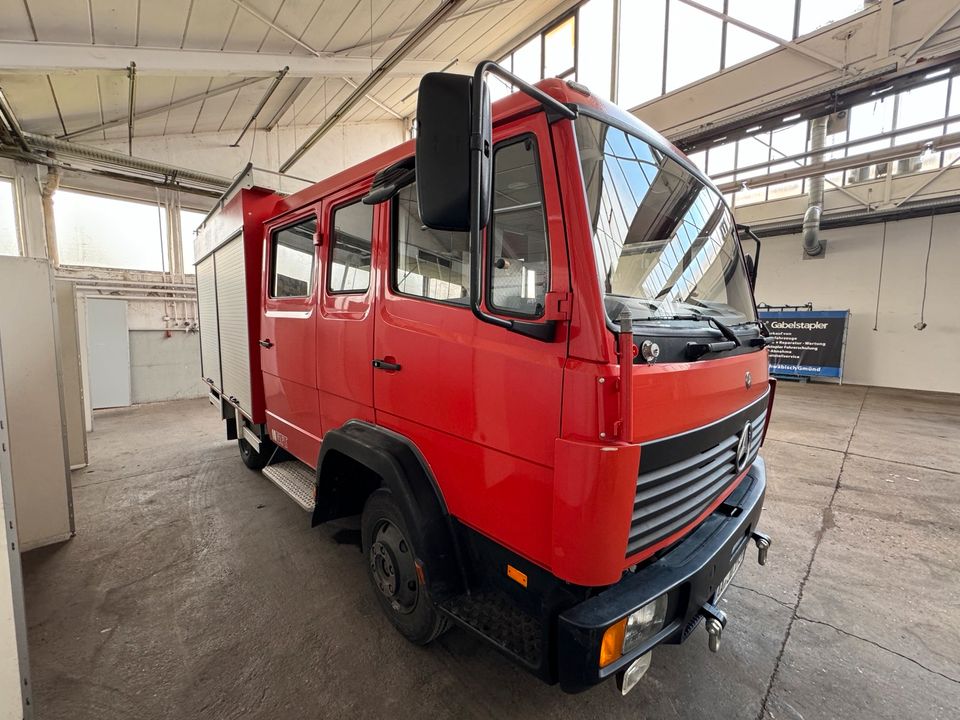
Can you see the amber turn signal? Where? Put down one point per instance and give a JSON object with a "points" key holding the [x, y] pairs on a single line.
{"points": [[611, 648]]}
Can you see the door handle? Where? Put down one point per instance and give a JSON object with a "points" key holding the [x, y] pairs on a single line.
{"points": [[386, 365], [266, 343]]}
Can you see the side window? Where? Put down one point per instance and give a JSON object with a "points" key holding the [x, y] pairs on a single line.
{"points": [[519, 258], [432, 264], [292, 260], [350, 253]]}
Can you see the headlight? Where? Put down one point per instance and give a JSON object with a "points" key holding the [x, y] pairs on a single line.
{"points": [[631, 632]]}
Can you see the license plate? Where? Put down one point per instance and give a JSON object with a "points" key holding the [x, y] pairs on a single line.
{"points": [[725, 583]]}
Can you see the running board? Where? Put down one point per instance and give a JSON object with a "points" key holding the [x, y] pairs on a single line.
{"points": [[296, 480]]}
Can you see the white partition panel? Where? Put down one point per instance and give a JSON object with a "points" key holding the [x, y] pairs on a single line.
{"points": [[14, 666]]}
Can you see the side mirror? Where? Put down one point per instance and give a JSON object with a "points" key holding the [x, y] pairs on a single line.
{"points": [[445, 113], [751, 271], [753, 264]]}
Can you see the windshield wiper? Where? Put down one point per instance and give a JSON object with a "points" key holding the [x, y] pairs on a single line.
{"points": [[696, 350]]}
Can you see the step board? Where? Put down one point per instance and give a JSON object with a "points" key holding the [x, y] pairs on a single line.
{"points": [[295, 479], [494, 616]]}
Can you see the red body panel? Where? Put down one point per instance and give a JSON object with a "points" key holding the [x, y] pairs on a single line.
{"points": [[521, 435]]}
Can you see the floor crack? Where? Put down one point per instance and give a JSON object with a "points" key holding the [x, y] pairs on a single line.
{"points": [[826, 522], [787, 605], [882, 647]]}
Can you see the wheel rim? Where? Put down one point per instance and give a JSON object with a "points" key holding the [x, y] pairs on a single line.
{"points": [[392, 567]]}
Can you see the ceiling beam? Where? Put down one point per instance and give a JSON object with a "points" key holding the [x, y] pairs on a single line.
{"points": [[287, 103], [184, 102], [794, 46], [263, 101], [36, 58]]}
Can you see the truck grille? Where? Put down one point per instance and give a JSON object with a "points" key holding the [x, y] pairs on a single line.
{"points": [[681, 476]]}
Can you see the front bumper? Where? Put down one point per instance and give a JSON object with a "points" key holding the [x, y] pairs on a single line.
{"points": [[689, 573]]}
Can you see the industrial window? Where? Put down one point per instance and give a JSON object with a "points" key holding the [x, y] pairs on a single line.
{"points": [[773, 16], [350, 254], [559, 51], [8, 220], [292, 260], [817, 13], [431, 264], [519, 257], [694, 40], [100, 231]]}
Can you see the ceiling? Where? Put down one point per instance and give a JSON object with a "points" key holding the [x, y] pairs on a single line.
{"points": [[66, 70]]}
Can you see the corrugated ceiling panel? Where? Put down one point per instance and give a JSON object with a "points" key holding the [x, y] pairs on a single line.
{"points": [[245, 102], [316, 112], [114, 22], [210, 21], [248, 32], [70, 22], [162, 23], [115, 96], [183, 119], [79, 100], [356, 28], [214, 111], [16, 22], [294, 16], [32, 101], [276, 100], [333, 14]]}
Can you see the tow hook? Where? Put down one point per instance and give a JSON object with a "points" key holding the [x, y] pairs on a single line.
{"points": [[763, 544], [716, 621]]}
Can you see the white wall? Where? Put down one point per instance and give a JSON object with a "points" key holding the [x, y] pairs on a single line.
{"points": [[895, 354]]}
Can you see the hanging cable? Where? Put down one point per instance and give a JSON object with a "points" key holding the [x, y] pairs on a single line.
{"points": [[883, 250], [926, 273]]}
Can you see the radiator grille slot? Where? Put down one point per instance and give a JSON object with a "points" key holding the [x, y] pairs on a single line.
{"points": [[674, 493]]}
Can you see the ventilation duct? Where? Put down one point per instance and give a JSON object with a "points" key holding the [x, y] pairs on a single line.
{"points": [[812, 242]]}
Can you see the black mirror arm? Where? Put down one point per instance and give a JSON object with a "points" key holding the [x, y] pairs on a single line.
{"points": [[753, 236], [540, 331]]}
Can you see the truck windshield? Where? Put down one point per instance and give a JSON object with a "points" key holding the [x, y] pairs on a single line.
{"points": [[664, 241]]}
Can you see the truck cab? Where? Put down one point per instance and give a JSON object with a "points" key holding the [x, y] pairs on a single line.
{"points": [[524, 348]]}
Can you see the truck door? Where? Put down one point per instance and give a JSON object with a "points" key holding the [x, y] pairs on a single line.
{"points": [[288, 348], [481, 402], [345, 318]]}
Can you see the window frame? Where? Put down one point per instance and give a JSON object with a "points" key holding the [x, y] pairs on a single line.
{"points": [[395, 257], [355, 200], [488, 254], [271, 277]]}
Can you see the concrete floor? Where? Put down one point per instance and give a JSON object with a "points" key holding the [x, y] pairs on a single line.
{"points": [[194, 588]]}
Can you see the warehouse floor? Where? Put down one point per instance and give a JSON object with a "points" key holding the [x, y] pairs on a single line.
{"points": [[195, 588]]}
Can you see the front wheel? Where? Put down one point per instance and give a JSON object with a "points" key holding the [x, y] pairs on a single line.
{"points": [[254, 459], [391, 567]]}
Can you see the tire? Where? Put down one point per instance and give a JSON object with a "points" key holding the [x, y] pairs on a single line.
{"points": [[389, 556], [252, 458]]}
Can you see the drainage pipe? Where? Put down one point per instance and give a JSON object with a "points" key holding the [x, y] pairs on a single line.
{"points": [[47, 189]]}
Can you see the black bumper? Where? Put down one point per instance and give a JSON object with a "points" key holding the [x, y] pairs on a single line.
{"points": [[689, 574]]}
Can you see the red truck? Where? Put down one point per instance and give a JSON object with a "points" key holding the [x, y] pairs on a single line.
{"points": [[524, 348]]}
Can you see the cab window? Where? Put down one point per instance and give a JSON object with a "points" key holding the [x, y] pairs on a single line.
{"points": [[350, 253], [292, 260], [519, 261]]}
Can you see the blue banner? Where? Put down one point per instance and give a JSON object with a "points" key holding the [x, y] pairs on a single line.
{"points": [[806, 343]]}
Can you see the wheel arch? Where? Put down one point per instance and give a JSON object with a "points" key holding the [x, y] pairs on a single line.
{"points": [[358, 458]]}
